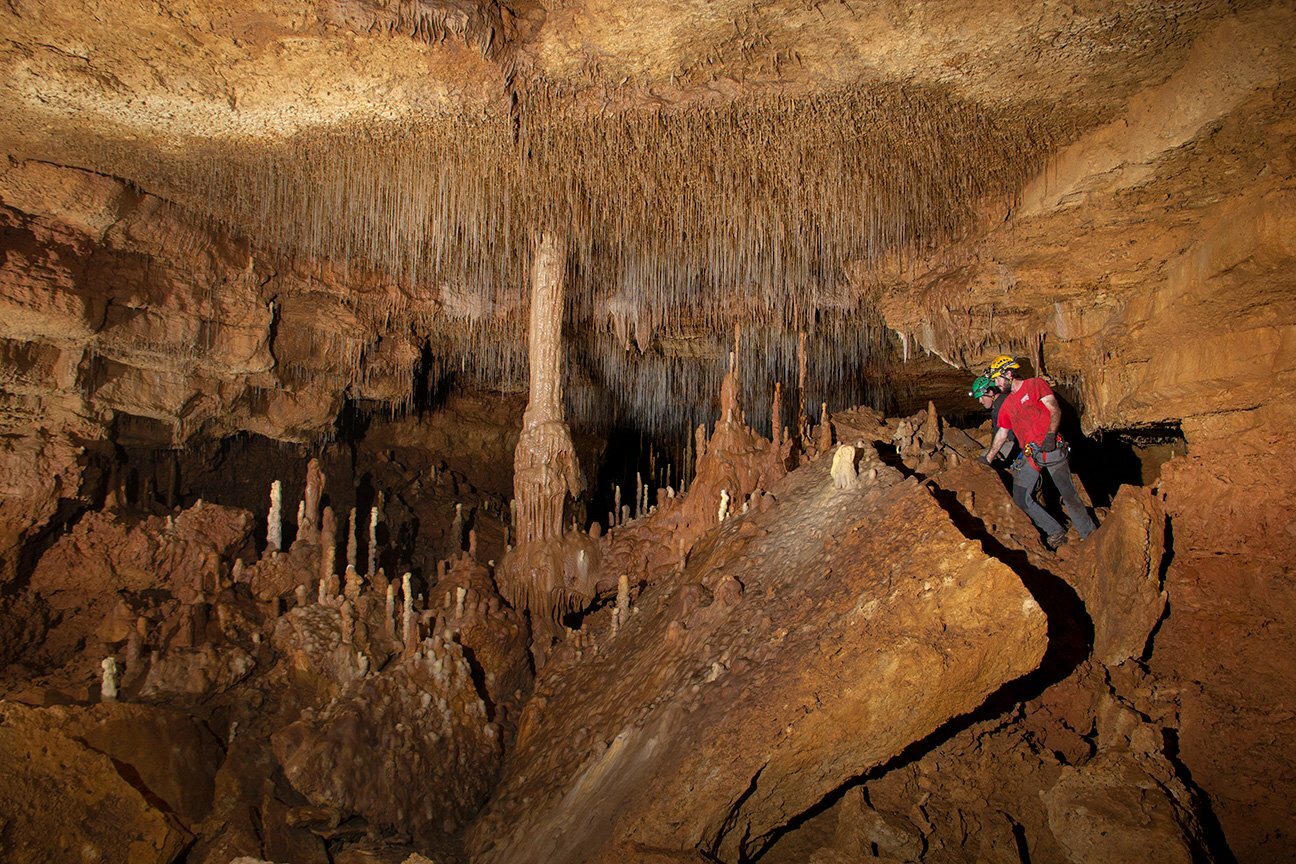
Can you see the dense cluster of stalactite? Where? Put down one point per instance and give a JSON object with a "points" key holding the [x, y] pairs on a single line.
{"points": [[679, 222], [664, 208]]}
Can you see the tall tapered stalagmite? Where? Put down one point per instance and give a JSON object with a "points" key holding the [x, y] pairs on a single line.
{"points": [[546, 572], [544, 463]]}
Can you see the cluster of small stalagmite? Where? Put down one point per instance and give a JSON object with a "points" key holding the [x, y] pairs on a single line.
{"points": [[427, 710], [300, 658]]}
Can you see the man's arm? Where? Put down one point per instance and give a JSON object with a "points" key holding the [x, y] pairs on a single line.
{"points": [[1000, 436], [1055, 420]]}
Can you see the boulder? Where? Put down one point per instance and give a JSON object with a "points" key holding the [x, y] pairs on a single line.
{"points": [[109, 569], [867, 622], [410, 749], [1120, 579], [172, 755], [1128, 803]]}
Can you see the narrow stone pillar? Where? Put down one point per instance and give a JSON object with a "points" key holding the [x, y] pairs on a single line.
{"points": [[545, 472], [351, 539], [544, 463], [374, 516], [274, 523], [308, 530]]}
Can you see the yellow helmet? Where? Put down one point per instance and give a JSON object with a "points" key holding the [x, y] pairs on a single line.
{"points": [[999, 364]]}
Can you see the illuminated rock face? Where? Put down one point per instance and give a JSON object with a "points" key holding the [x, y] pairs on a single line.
{"points": [[545, 472], [864, 623]]}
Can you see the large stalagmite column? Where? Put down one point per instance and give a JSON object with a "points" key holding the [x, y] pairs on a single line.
{"points": [[544, 464], [547, 573]]}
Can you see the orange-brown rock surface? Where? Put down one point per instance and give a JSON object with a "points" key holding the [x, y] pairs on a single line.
{"points": [[234, 238], [105, 575], [1226, 646], [799, 647], [51, 772]]}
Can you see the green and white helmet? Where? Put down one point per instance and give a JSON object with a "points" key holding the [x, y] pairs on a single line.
{"points": [[981, 386]]}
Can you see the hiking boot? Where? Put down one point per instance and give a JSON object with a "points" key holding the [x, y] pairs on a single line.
{"points": [[1056, 541]]}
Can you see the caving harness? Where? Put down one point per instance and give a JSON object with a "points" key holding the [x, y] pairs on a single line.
{"points": [[1039, 459]]}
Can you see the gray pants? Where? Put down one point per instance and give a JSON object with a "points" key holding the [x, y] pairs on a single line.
{"points": [[1026, 478]]}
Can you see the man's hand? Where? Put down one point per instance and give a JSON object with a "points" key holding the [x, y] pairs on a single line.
{"points": [[988, 459], [1049, 444]]}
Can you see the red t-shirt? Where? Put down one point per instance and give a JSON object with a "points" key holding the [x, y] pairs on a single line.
{"points": [[1024, 412]]}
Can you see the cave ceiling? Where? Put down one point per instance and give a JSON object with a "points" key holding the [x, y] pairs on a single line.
{"points": [[775, 164]]}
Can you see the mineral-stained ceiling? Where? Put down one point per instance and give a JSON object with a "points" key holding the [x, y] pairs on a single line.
{"points": [[707, 163], [728, 148], [280, 217]]}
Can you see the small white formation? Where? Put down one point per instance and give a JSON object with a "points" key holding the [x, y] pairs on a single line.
{"points": [[460, 594], [274, 523], [351, 539], [407, 623], [622, 610], [843, 468], [373, 538], [327, 535], [108, 687], [724, 504], [390, 619], [456, 528]]}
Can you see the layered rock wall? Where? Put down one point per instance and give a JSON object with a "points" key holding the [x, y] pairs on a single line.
{"points": [[1149, 265]]}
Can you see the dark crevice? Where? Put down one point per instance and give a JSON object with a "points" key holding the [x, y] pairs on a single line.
{"points": [[1217, 847], [479, 679], [1166, 557], [1019, 840], [1070, 630], [712, 850]]}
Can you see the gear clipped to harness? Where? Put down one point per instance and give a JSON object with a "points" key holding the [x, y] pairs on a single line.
{"points": [[1041, 458]]}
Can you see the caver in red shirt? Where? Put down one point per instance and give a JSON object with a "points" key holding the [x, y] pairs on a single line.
{"points": [[1024, 412]]}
